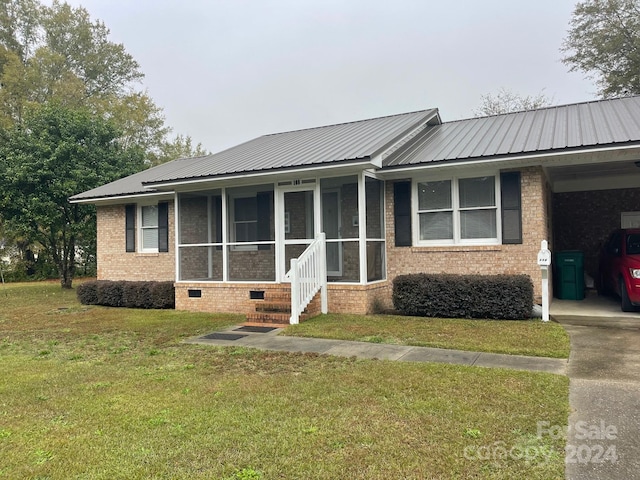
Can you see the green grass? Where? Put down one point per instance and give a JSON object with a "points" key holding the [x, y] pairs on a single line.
{"points": [[535, 338], [105, 393]]}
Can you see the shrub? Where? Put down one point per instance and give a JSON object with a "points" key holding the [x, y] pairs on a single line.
{"points": [[110, 293], [137, 295], [502, 297], [159, 295], [88, 293], [163, 295]]}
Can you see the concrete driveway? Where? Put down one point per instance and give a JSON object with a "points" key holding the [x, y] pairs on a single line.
{"points": [[603, 440]]}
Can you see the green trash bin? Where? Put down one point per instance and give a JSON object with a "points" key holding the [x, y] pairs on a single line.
{"points": [[568, 273]]}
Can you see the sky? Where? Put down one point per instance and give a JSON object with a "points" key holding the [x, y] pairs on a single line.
{"points": [[227, 71]]}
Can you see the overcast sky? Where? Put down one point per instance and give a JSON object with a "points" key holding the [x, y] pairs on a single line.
{"points": [[227, 71]]}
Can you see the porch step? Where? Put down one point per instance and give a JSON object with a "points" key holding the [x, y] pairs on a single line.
{"points": [[275, 309], [272, 318], [273, 306]]}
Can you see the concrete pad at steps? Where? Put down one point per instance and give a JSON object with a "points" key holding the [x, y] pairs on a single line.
{"points": [[368, 350], [438, 355], [517, 362]]}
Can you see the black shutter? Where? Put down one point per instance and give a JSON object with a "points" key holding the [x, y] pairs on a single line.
{"points": [[163, 227], [264, 200], [402, 213], [130, 228], [511, 207]]}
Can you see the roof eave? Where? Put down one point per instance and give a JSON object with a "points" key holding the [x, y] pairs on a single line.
{"points": [[114, 199], [507, 161], [360, 163]]}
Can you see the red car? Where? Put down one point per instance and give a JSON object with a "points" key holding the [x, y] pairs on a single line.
{"points": [[620, 267]]}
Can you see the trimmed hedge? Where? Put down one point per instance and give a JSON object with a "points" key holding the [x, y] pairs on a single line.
{"points": [[159, 295], [500, 297]]}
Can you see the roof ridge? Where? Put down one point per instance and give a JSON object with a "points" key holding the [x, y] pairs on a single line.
{"points": [[350, 123], [549, 107]]}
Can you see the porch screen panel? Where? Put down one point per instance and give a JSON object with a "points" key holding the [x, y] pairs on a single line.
{"points": [[200, 263], [375, 208], [200, 236], [251, 265], [251, 243], [340, 223], [374, 195]]}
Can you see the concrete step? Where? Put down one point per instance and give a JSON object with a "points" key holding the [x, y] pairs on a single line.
{"points": [[272, 306]]}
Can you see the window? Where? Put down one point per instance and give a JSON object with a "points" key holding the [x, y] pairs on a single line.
{"points": [[250, 217], [245, 221], [149, 228], [454, 211]]}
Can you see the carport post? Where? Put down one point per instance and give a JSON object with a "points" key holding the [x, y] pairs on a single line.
{"points": [[544, 260]]}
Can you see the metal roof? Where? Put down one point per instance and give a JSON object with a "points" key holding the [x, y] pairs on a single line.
{"points": [[132, 185], [362, 139], [580, 125], [577, 126]]}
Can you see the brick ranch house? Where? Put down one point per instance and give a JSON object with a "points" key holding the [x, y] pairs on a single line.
{"points": [[393, 195]]}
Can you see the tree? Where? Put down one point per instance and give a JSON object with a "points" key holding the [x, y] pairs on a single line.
{"points": [[603, 42], [57, 53], [505, 101], [179, 147], [56, 153], [54, 58]]}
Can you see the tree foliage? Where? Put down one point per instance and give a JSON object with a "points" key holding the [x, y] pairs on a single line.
{"points": [[603, 42], [180, 147], [505, 101], [58, 152], [56, 61]]}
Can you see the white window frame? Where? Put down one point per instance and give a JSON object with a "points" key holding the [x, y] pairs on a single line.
{"points": [[456, 209], [141, 229]]}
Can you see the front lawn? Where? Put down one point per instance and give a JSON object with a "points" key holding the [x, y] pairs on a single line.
{"points": [[535, 338], [102, 393]]}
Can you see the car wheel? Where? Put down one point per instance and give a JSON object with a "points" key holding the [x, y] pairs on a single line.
{"points": [[625, 303]]}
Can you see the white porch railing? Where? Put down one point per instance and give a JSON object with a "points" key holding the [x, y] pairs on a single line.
{"points": [[308, 274]]}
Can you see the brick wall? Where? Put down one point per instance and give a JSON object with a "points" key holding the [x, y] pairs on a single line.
{"points": [[114, 263], [490, 260]]}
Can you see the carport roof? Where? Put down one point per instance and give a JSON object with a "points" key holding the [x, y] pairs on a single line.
{"points": [[576, 126]]}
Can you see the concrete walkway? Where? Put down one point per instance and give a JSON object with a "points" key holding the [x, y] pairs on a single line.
{"points": [[604, 394], [238, 337]]}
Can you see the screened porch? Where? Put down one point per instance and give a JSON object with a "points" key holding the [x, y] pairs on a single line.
{"points": [[251, 233]]}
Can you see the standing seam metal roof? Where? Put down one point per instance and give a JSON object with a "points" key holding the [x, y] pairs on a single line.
{"points": [[342, 142], [588, 124], [580, 125], [333, 143]]}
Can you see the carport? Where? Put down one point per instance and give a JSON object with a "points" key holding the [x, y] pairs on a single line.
{"points": [[592, 195]]}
